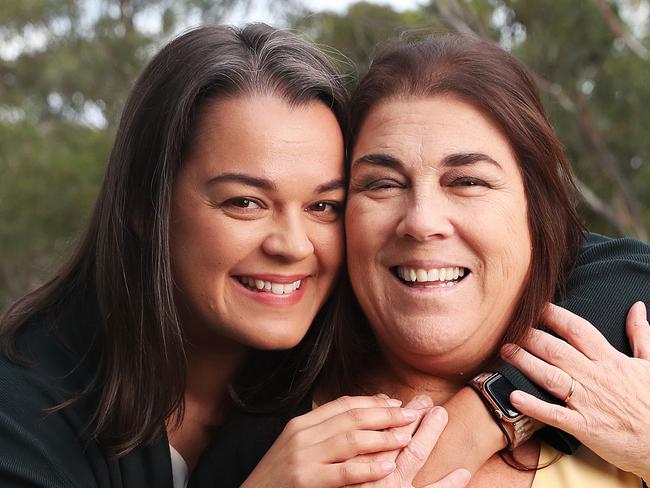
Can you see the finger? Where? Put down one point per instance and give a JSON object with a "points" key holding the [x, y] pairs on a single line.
{"points": [[556, 352], [415, 454], [554, 415], [346, 446], [421, 404], [363, 419], [456, 479], [552, 379], [638, 331], [580, 333], [338, 406], [346, 474]]}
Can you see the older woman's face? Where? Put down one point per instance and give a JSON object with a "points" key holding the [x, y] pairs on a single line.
{"points": [[437, 235]]}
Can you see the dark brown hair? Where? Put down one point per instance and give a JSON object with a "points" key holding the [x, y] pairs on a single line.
{"points": [[129, 274], [497, 84]]}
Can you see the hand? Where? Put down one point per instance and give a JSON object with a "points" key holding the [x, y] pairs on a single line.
{"points": [[607, 402], [316, 449], [410, 460]]}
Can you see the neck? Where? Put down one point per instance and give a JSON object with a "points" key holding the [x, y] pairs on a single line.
{"points": [[210, 370], [402, 381], [209, 373]]}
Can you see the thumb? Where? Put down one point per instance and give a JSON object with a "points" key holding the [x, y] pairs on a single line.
{"points": [[416, 453], [638, 331]]}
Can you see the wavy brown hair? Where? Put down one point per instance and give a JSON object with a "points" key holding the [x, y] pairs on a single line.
{"points": [[496, 83], [128, 274]]}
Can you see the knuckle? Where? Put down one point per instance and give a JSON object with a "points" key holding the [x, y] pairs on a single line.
{"points": [[356, 416], [554, 379], [559, 415], [416, 452], [299, 439], [353, 438], [555, 353], [299, 478], [293, 426], [346, 402], [346, 473]]}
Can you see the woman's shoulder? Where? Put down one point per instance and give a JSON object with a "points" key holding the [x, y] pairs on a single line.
{"points": [[40, 446], [599, 249], [53, 447], [584, 468]]}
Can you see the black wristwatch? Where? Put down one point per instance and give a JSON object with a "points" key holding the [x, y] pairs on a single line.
{"points": [[494, 389]]}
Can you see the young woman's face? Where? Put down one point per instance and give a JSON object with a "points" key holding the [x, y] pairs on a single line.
{"points": [[437, 234], [256, 230]]}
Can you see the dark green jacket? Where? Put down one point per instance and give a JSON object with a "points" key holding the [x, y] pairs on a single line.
{"points": [[52, 450]]}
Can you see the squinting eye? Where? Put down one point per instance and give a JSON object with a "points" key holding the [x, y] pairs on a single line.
{"points": [[246, 203], [468, 181], [382, 185]]}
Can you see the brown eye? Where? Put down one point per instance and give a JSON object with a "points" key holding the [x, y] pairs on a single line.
{"points": [[468, 181], [328, 211], [245, 203]]}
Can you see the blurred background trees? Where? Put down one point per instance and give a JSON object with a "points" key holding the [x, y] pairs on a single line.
{"points": [[66, 67]]}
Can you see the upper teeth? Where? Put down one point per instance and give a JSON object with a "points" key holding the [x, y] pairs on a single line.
{"points": [[275, 288], [435, 274]]}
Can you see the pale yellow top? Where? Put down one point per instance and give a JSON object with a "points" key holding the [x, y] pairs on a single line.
{"points": [[583, 469]]}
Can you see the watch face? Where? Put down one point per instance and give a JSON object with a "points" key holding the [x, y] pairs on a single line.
{"points": [[499, 389]]}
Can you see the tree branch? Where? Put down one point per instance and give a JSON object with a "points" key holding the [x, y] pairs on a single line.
{"points": [[619, 30]]}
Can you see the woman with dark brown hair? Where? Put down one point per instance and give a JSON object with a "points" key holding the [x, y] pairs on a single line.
{"points": [[215, 241], [461, 226]]}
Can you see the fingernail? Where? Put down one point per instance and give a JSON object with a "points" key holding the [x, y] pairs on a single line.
{"points": [[409, 414], [383, 395], [402, 436], [440, 413], [394, 402], [388, 466]]}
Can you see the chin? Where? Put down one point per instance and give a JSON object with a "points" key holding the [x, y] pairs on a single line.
{"points": [[276, 342]]}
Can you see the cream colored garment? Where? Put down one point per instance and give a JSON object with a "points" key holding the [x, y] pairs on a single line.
{"points": [[583, 469]]}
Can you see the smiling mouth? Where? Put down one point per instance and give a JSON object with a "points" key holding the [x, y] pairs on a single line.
{"points": [[263, 286], [430, 278]]}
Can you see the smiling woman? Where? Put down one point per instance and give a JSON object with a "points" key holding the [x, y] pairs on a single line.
{"points": [[436, 190], [215, 241], [255, 232], [460, 226]]}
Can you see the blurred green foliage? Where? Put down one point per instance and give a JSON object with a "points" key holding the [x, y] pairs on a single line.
{"points": [[66, 67]]}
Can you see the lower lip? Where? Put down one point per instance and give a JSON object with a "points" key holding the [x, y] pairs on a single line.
{"points": [[268, 298], [435, 290]]}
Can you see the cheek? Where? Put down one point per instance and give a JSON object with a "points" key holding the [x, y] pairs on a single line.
{"points": [[328, 241], [510, 242], [368, 226]]}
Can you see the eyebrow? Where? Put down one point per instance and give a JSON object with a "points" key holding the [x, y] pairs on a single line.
{"points": [[465, 159], [268, 185], [452, 160], [243, 178], [380, 159]]}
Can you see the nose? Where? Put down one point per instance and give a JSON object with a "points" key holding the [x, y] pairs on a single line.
{"points": [[426, 217], [288, 240]]}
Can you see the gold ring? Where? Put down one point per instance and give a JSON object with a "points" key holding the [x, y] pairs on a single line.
{"points": [[571, 390]]}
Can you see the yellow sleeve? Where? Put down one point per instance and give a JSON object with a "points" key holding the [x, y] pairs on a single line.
{"points": [[584, 468]]}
